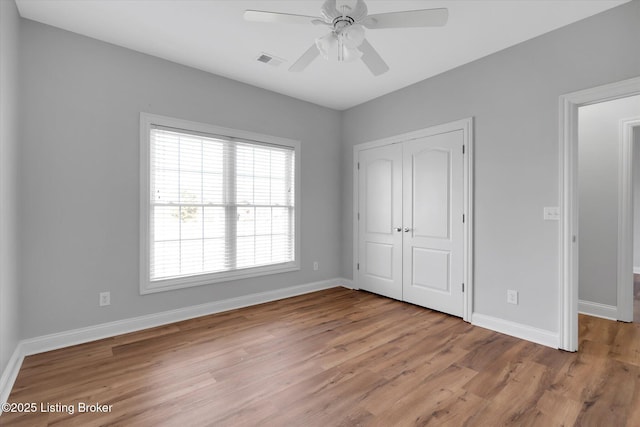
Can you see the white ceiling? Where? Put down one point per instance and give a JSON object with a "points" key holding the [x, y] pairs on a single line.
{"points": [[211, 35]]}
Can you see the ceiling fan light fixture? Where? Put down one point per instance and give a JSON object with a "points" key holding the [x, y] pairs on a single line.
{"points": [[353, 36], [327, 45], [333, 48], [350, 55]]}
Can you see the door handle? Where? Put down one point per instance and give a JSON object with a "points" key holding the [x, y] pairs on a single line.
{"points": [[398, 229], [406, 229]]}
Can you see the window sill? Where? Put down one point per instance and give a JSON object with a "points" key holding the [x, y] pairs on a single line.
{"points": [[150, 287]]}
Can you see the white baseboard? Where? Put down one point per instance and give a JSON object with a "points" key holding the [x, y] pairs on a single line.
{"points": [[636, 270], [518, 330], [10, 374], [598, 310], [105, 330], [110, 329], [346, 283]]}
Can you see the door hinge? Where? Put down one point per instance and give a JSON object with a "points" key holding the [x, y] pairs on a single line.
{"points": [[462, 217], [358, 216], [463, 149], [463, 287], [358, 266], [358, 165]]}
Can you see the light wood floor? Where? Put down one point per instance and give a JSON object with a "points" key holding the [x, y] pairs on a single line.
{"points": [[337, 358]]}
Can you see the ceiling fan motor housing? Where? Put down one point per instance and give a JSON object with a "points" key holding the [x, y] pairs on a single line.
{"points": [[345, 16], [346, 28]]}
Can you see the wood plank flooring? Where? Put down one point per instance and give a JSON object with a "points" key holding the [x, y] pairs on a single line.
{"points": [[336, 358], [636, 298]]}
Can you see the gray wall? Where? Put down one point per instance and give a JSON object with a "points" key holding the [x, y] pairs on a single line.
{"points": [[78, 165], [513, 96], [81, 101], [598, 135], [9, 289], [636, 199]]}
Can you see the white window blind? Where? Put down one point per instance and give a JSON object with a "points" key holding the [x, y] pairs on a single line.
{"points": [[217, 204]]}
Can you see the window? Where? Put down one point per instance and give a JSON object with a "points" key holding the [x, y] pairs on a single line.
{"points": [[216, 204]]}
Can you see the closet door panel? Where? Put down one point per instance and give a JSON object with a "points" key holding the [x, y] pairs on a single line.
{"points": [[380, 209], [432, 218]]}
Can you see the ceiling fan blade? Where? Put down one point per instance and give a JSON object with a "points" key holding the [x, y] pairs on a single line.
{"points": [[277, 18], [408, 19], [372, 59], [306, 59]]}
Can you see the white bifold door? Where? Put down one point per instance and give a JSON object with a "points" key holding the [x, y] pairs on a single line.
{"points": [[410, 221]]}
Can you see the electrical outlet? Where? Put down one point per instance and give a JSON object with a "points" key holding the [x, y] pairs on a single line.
{"points": [[105, 298], [551, 213], [512, 296], [315, 265]]}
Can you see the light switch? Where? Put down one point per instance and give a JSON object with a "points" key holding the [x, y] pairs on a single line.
{"points": [[552, 213]]}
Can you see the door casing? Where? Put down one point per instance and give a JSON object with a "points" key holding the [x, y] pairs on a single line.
{"points": [[625, 218], [568, 236], [466, 125]]}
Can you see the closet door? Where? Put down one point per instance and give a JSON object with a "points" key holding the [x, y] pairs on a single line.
{"points": [[380, 221], [432, 223]]}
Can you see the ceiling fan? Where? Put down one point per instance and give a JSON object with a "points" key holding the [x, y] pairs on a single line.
{"points": [[346, 41]]}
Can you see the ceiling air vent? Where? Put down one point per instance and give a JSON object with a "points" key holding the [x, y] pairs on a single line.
{"points": [[272, 60]]}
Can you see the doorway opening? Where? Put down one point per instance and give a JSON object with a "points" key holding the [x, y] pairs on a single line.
{"points": [[570, 235], [606, 207], [636, 222]]}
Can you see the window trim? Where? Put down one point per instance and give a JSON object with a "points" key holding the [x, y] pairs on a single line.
{"points": [[147, 286]]}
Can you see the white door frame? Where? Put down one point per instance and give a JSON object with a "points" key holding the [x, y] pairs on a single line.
{"points": [[568, 158], [466, 125], [625, 219]]}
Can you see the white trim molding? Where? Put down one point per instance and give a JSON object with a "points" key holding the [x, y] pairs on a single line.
{"points": [[231, 138], [110, 329], [518, 330], [568, 236], [10, 373], [625, 219], [636, 270], [346, 283], [596, 309], [106, 330]]}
